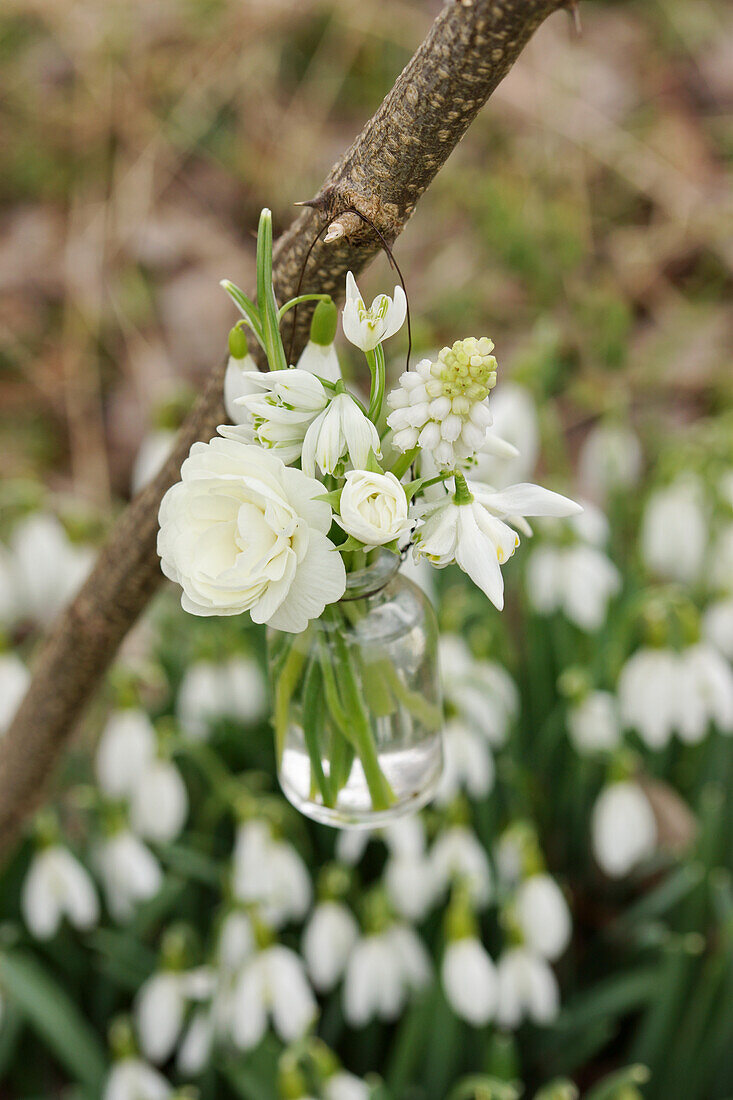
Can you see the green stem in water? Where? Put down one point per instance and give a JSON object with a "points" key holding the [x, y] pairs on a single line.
{"points": [[313, 728], [286, 683]]}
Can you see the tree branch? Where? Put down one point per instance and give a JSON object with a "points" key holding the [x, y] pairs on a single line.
{"points": [[469, 49]]}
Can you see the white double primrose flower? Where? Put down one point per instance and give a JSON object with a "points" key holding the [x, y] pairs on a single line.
{"points": [[242, 531], [373, 508], [473, 530], [366, 328]]}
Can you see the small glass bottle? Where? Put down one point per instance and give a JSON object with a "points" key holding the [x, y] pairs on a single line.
{"points": [[357, 709]]}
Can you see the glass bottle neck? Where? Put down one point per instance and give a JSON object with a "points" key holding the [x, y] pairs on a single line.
{"points": [[373, 577]]}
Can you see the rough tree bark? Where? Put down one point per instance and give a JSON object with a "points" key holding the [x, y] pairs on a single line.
{"points": [[469, 49]]}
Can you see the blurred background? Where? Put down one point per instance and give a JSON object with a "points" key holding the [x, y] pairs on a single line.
{"points": [[586, 224]]}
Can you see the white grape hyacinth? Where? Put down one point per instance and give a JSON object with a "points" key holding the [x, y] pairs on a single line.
{"points": [[528, 988], [383, 970], [269, 872], [328, 939], [623, 828], [442, 406], [242, 531], [471, 528], [57, 886], [365, 328], [14, 682], [470, 980], [341, 432]]}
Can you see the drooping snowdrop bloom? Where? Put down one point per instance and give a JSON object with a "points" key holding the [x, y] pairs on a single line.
{"points": [[159, 803], [351, 845], [161, 1007], [470, 980], [458, 858], [514, 421], [238, 383], [208, 692], [577, 580], [706, 693], [151, 455], [481, 693], [543, 916], [129, 871], [443, 407], [282, 408], [717, 626], [384, 968], [408, 874], [623, 828], [270, 873], [46, 569], [373, 508], [594, 723], [527, 989], [344, 1086], [328, 939], [365, 328], [468, 763], [57, 886], [674, 531], [242, 532], [610, 460], [341, 432], [321, 360], [471, 528], [133, 1079], [14, 681], [721, 561], [272, 984]]}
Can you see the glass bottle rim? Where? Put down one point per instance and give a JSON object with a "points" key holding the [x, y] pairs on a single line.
{"points": [[373, 577]]}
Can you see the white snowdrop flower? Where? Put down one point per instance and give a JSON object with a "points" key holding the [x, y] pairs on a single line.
{"points": [[527, 989], [202, 698], [475, 533], [270, 873], [721, 561], [328, 939], [14, 681], [457, 856], [282, 408], [125, 749], [365, 328], [351, 845], [340, 433], [443, 407], [129, 871], [159, 804], [57, 886], [674, 531], [482, 693], [590, 526], [470, 980], [238, 383], [515, 421], [194, 1049], [272, 983], [150, 458], [623, 828], [610, 459], [717, 626], [543, 916], [243, 532], [133, 1079], [47, 568], [594, 723], [468, 763], [236, 942], [705, 693], [344, 1086], [374, 508], [648, 693], [161, 1006], [383, 969], [247, 690], [578, 581], [321, 360], [509, 857], [408, 874]]}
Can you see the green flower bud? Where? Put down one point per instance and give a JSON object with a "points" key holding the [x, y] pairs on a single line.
{"points": [[323, 325], [238, 347]]}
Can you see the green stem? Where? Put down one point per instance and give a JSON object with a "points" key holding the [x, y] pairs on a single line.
{"points": [[284, 689], [299, 301], [266, 303], [312, 728], [375, 359], [403, 463]]}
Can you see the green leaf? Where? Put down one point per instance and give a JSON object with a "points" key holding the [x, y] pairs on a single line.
{"points": [[246, 308], [266, 304], [54, 1017], [613, 1085]]}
